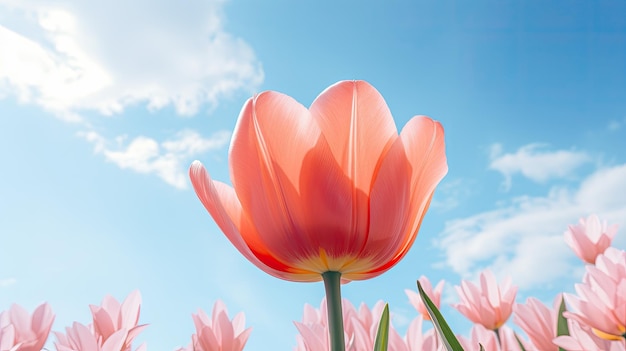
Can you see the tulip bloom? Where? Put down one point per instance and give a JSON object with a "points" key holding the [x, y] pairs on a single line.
{"points": [[113, 316], [590, 238], [583, 339], [360, 331], [114, 327], [600, 303], [82, 338], [504, 341], [21, 331], [489, 305], [434, 295], [418, 340], [539, 322], [332, 188], [218, 332]]}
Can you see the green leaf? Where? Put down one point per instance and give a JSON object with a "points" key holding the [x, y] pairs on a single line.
{"points": [[449, 340], [481, 347], [519, 342], [382, 337], [561, 324]]}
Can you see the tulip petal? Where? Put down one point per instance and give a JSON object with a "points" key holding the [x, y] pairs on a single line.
{"points": [[42, 318], [84, 339], [222, 203], [424, 145], [329, 218], [102, 322], [423, 141], [271, 138], [389, 205], [129, 310], [7, 337], [358, 126]]}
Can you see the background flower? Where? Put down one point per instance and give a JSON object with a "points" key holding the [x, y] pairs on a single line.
{"points": [[27, 332], [539, 322], [590, 238], [600, 301], [433, 294], [360, 328], [488, 304], [218, 332]]}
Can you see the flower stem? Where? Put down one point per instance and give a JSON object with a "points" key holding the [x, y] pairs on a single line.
{"points": [[497, 331], [332, 284]]}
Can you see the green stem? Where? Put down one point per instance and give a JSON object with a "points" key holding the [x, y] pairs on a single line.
{"points": [[332, 284], [497, 331]]}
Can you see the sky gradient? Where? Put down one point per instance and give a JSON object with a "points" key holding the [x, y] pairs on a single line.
{"points": [[104, 105]]}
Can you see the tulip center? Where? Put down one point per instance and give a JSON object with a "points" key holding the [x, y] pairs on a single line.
{"points": [[607, 336]]}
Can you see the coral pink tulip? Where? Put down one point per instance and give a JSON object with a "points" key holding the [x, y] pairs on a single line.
{"points": [[489, 304], [539, 322], [113, 316], [218, 333], [332, 188], [590, 238], [21, 331], [600, 302], [434, 295]]}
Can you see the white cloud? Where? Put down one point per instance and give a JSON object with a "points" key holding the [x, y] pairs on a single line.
{"points": [[68, 56], [524, 239], [7, 282], [168, 160], [450, 194], [535, 163], [615, 125]]}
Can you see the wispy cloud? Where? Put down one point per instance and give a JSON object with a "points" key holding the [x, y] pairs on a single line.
{"points": [[615, 125], [68, 56], [7, 282], [167, 160], [524, 238], [450, 194], [535, 162]]}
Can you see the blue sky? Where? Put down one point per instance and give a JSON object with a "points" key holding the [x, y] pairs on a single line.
{"points": [[104, 105]]}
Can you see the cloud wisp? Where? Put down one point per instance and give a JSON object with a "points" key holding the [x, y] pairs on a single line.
{"points": [[7, 282], [70, 56], [168, 160], [524, 238], [536, 163]]}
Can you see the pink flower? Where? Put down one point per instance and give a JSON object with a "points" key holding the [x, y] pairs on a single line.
{"points": [[330, 188], [82, 338], [539, 322], [218, 333], [434, 295], [583, 339], [113, 316], [313, 328], [601, 299], [417, 340], [360, 328], [488, 304], [490, 340], [20, 331], [590, 238]]}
